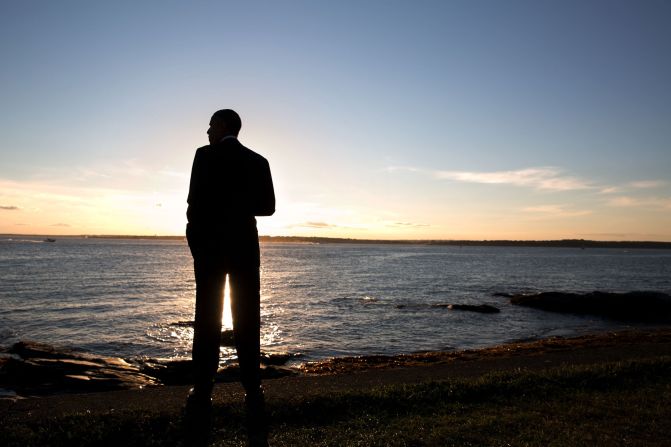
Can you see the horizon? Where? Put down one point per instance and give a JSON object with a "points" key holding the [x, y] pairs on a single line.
{"points": [[262, 236], [438, 121]]}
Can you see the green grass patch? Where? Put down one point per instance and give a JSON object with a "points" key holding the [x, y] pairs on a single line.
{"points": [[624, 403]]}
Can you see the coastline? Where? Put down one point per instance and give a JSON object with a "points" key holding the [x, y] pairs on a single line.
{"points": [[584, 349], [438, 398]]}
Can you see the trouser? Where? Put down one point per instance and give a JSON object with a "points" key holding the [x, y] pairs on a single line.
{"points": [[244, 285]]}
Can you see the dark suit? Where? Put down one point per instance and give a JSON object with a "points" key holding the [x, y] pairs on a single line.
{"points": [[230, 184]]}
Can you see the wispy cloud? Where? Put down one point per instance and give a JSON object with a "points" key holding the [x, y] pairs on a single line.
{"points": [[622, 201], [610, 190], [315, 225], [555, 211], [9, 207], [60, 225], [647, 184], [640, 184], [548, 178], [406, 224], [648, 202], [402, 169]]}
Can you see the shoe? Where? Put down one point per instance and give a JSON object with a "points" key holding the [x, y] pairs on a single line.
{"points": [[197, 417], [198, 401]]}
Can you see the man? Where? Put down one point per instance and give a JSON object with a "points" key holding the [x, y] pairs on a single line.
{"points": [[230, 185]]}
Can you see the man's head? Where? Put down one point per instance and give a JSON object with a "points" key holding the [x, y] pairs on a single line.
{"points": [[224, 122]]}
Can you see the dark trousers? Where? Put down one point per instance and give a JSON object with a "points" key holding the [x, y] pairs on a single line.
{"points": [[244, 282]]}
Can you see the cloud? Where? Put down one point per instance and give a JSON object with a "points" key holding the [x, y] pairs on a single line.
{"points": [[554, 211], [548, 178], [9, 207], [402, 168], [610, 190], [60, 225], [649, 202], [646, 184], [315, 225], [406, 224], [622, 201]]}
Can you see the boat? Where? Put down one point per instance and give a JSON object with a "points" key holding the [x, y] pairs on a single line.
{"points": [[49, 240]]}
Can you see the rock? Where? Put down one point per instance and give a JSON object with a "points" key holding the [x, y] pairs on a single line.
{"points": [[481, 308], [504, 295], [227, 338], [169, 372], [33, 369], [277, 358], [37, 368], [274, 372], [648, 307], [182, 323]]}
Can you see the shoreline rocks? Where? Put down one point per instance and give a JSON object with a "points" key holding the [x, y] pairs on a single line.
{"points": [[638, 306], [478, 308], [30, 368]]}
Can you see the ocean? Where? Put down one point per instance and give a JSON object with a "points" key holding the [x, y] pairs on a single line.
{"points": [[132, 298]]}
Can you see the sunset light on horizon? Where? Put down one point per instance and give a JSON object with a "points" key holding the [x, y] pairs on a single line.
{"points": [[380, 120]]}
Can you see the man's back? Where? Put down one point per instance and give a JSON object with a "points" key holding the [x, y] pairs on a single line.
{"points": [[230, 184]]}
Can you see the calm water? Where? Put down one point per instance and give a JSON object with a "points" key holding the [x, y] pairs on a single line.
{"points": [[122, 297]]}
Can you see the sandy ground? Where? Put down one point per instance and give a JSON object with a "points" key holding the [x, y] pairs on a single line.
{"points": [[351, 374]]}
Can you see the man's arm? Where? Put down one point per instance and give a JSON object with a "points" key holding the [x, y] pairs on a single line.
{"points": [[265, 204], [193, 184]]}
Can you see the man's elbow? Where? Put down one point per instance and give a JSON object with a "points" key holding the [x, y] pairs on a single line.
{"points": [[267, 210]]}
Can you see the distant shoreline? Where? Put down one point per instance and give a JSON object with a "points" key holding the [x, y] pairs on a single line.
{"points": [[570, 243]]}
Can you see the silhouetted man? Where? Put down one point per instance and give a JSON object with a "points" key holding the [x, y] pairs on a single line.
{"points": [[230, 185]]}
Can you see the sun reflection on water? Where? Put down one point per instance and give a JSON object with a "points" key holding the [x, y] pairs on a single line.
{"points": [[227, 318]]}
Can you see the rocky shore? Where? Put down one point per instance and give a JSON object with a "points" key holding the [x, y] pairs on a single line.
{"points": [[636, 307], [363, 373], [33, 369], [36, 369]]}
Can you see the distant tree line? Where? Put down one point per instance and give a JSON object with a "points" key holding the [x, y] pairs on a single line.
{"points": [[574, 243]]}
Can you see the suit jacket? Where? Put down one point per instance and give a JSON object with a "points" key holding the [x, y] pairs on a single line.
{"points": [[230, 184]]}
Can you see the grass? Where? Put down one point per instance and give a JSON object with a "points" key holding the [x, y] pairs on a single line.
{"points": [[624, 403]]}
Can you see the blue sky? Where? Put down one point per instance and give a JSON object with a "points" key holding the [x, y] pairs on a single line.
{"points": [[451, 119]]}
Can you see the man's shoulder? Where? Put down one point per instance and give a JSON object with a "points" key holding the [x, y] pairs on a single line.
{"points": [[203, 149], [225, 147], [254, 156]]}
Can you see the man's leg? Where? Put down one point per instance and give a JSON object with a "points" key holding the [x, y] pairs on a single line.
{"points": [[246, 313], [210, 277]]}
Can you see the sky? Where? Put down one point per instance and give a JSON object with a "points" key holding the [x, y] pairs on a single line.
{"points": [[380, 119]]}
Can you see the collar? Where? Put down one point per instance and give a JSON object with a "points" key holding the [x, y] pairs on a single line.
{"points": [[228, 137]]}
